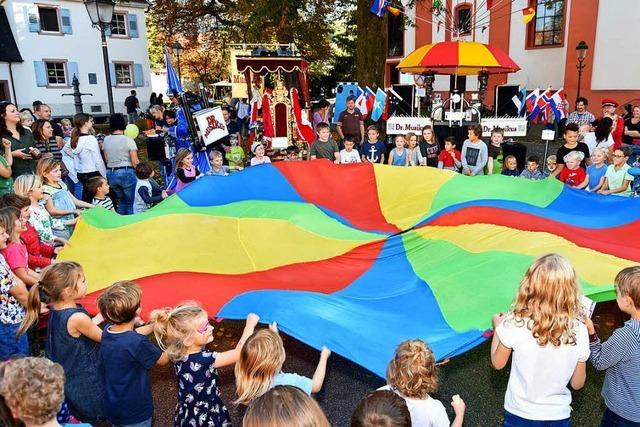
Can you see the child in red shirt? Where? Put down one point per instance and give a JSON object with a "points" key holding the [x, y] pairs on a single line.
{"points": [[450, 157], [573, 175]]}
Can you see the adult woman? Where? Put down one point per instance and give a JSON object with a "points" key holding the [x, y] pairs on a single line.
{"points": [[121, 154], [23, 150], [86, 151], [632, 127], [153, 98], [601, 136], [43, 134]]}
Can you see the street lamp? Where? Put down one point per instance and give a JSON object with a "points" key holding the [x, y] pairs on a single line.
{"points": [[177, 51], [101, 12], [581, 51]]}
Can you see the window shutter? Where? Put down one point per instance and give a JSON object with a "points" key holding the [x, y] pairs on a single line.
{"points": [[32, 17], [138, 76], [65, 17], [72, 69], [41, 73], [133, 25], [112, 73]]}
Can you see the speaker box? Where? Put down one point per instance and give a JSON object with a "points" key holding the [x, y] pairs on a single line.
{"points": [[504, 104], [404, 106], [459, 85]]}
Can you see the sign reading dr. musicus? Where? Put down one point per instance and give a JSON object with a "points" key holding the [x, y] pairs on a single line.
{"points": [[211, 124], [397, 125], [512, 126]]}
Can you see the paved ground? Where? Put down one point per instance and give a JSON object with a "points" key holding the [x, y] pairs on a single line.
{"points": [[469, 375]]}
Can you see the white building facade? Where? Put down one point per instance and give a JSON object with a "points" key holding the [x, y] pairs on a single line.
{"points": [[56, 41]]}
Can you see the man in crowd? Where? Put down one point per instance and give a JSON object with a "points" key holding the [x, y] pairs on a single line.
{"points": [[609, 107], [581, 116], [43, 111], [351, 122], [132, 104]]}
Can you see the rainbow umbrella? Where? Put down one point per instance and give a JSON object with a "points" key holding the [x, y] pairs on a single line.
{"points": [[459, 58]]}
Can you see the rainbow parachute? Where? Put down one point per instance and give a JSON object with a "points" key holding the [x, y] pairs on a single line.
{"points": [[358, 257]]}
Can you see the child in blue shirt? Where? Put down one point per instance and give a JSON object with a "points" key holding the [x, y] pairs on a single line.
{"points": [[532, 171], [597, 169], [372, 151], [620, 355], [127, 356]]}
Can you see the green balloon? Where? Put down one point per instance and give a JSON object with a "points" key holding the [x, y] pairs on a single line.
{"points": [[132, 131]]}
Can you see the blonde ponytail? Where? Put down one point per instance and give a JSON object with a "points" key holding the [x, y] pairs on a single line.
{"points": [[32, 310]]}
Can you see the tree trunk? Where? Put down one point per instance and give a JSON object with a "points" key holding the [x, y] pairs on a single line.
{"points": [[371, 47]]}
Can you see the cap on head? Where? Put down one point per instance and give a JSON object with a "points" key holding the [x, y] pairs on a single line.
{"points": [[609, 102]]}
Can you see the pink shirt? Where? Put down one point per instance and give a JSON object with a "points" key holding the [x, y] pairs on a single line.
{"points": [[16, 255]]}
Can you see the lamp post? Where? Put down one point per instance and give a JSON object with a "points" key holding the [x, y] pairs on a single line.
{"points": [[177, 51], [581, 51], [101, 12]]}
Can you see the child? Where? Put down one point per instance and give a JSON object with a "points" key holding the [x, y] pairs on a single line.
{"points": [[15, 252], [324, 147], [597, 169], [185, 171], [617, 179], [217, 168], [260, 367], [620, 355], [285, 405], [184, 332], [495, 158], [532, 171], [39, 254], [510, 166], [60, 203], [449, 158], [235, 156], [349, 155], [474, 152], [31, 186], [12, 312], [572, 174], [67, 128], [415, 156], [293, 154], [99, 187], [382, 407], [412, 373], [26, 119], [551, 166], [429, 147], [259, 157], [399, 156], [372, 151], [550, 345], [72, 337], [127, 357], [33, 389], [147, 192]]}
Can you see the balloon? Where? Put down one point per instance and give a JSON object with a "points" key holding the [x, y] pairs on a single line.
{"points": [[132, 131]]}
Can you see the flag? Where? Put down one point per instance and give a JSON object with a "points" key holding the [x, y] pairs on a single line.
{"points": [[303, 126], [531, 102], [378, 7], [378, 105], [528, 14], [173, 82], [361, 102], [371, 98], [523, 96], [544, 102], [557, 104], [343, 91]]}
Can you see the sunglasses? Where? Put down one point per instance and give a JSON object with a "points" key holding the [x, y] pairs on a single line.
{"points": [[202, 328]]}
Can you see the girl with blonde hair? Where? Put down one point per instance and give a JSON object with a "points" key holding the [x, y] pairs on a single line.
{"points": [[285, 405], [413, 375], [183, 332], [549, 342], [72, 336], [260, 367]]}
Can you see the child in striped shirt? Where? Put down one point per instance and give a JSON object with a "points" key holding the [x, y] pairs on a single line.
{"points": [[620, 355], [99, 187]]}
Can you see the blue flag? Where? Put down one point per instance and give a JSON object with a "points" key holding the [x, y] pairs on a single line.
{"points": [[343, 91], [378, 7], [378, 105], [173, 82]]}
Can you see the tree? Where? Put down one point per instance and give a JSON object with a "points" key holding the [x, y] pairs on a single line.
{"points": [[371, 46]]}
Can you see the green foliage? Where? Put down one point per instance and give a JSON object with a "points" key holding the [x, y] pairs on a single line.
{"points": [[155, 45]]}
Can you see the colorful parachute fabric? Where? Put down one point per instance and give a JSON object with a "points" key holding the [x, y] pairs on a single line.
{"points": [[358, 257]]}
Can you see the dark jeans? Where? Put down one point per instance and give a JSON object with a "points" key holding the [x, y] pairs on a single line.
{"points": [[83, 178], [123, 184], [511, 420], [10, 345], [611, 419]]}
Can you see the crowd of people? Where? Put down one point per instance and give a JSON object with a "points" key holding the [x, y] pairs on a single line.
{"points": [[96, 369]]}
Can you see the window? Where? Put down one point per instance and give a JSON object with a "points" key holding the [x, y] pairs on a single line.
{"points": [[49, 19], [395, 34], [463, 18], [119, 24], [123, 75], [547, 29], [56, 73]]}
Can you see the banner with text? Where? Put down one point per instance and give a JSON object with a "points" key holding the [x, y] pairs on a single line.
{"points": [[211, 124], [400, 125]]}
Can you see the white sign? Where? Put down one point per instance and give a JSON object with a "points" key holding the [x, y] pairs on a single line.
{"points": [[400, 125], [548, 135], [512, 127], [421, 92], [211, 124]]}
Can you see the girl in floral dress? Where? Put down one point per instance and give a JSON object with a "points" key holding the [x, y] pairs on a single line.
{"points": [[183, 332]]}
